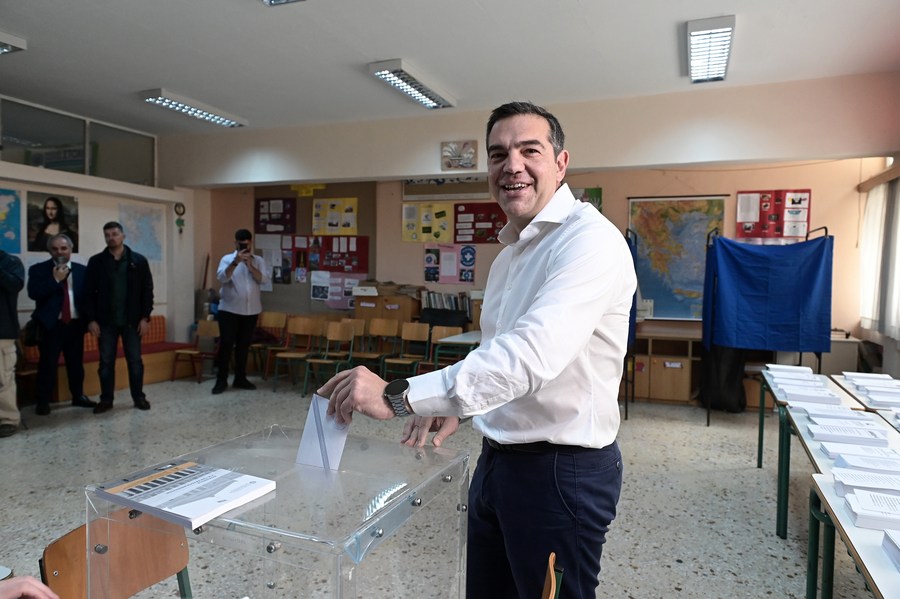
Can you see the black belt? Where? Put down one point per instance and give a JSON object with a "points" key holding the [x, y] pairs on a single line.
{"points": [[536, 447]]}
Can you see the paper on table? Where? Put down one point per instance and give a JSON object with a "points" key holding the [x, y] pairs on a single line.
{"points": [[322, 442], [833, 450]]}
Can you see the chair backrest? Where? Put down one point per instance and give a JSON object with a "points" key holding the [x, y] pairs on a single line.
{"points": [[439, 332], [272, 323], [128, 556], [207, 329], [359, 330], [338, 339], [384, 327], [414, 339], [303, 332]]}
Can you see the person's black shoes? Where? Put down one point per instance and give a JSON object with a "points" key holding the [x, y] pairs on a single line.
{"points": [[142, 404], [242, 384], [84, 402], [103, 406], [8, 430], [219, 387], [42, 410]]}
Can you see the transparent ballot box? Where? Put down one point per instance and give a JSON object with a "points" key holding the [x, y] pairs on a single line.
{"points": [[389, 523]]}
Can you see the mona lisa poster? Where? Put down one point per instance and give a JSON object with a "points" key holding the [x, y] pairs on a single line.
{"points": [[50, 214]]}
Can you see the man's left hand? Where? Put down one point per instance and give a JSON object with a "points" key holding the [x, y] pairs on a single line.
{"points": [[356, 390], [143, 327]]}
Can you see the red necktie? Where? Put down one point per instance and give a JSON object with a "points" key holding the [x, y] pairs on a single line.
{"points": [[66, 313]]}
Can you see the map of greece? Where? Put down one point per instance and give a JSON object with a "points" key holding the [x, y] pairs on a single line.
{"points": [[671, 252]]}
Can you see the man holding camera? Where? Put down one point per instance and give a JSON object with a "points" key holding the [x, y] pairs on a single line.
{"points": [[57, 288], [240, 273]]}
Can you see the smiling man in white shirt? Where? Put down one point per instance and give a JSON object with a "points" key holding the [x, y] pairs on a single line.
{"points": [[542, 386]]}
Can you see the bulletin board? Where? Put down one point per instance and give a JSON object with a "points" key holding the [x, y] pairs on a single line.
{"points": [[341, 253], [773, 216], [447, 222], [276, 215], [335, 216], [478, 222]]}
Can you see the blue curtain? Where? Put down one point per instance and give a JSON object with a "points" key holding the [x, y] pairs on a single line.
{"points": [[632, 319], [768, 297]]}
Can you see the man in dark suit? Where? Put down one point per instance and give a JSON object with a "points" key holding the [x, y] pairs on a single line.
{"points": [[57, 288]]}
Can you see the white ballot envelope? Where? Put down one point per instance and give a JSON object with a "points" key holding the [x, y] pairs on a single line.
{"points": [[323, 440]]}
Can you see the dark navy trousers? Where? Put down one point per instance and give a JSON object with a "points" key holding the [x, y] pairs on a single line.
{"points": [[523, 505]]}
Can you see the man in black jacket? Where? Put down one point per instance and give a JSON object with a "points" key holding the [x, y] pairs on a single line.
{"points": [[119, 299], [12, 279], [57, 288]]}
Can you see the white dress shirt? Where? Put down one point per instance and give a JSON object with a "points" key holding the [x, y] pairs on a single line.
{"points": [[240, 292], [554, 334]]}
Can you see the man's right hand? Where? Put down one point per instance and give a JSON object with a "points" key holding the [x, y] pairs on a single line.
{"points": [[417, 428]]}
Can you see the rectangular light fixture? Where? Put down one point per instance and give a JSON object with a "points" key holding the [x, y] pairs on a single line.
{"points": [[709, 48], [277, 2], [10, 43], [192, 108], [397, 74]]}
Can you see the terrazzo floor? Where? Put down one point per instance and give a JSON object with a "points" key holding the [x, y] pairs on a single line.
{"points": [[696, 517]]}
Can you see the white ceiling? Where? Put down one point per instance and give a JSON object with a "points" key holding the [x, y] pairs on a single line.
{"points": [[305, 63]]}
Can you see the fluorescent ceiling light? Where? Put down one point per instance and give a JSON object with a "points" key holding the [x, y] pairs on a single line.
{"points": [[709, 47], [398, 75], [277, 2], [10, 43], [192, 108]]}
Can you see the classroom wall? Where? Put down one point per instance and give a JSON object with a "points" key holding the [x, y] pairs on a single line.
{"points": [[842, 117]]}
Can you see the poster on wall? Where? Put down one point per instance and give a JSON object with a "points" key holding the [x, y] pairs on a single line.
{"points": [[671, 252], [335, 216], [51, 214], [773, 217], [340, 290], [590, 195], [449, 263], [427, 222], [10, 219], [276, 215], [478, 222]]}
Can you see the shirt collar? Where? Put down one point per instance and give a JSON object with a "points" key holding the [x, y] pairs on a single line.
{"points": [[556, 211]]}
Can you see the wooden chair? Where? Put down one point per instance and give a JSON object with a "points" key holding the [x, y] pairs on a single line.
{"points": [[206, 346], [553, 579], [381, 341], [303, 335], [442, 355], [272, 324], [414, 338], [359, 331], [128, 556], [336, 353]]}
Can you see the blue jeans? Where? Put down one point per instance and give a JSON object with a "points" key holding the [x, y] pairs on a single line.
{"points": [[131, 345], [522, 506]]}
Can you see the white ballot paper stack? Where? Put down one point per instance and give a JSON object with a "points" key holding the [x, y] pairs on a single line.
{"points": [[322, 443]]}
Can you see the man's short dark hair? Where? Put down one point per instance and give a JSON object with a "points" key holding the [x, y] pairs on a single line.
{"points": [[243, 235], [113, 225], [557, 137]]}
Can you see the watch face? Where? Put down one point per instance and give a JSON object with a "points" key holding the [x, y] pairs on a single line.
{"points": [[397, 387]]}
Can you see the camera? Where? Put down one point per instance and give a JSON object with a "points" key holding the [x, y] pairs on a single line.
{"points": [[243, 245]]}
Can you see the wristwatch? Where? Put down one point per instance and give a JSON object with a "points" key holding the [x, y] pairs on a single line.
{"points": [[395, 395]]}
